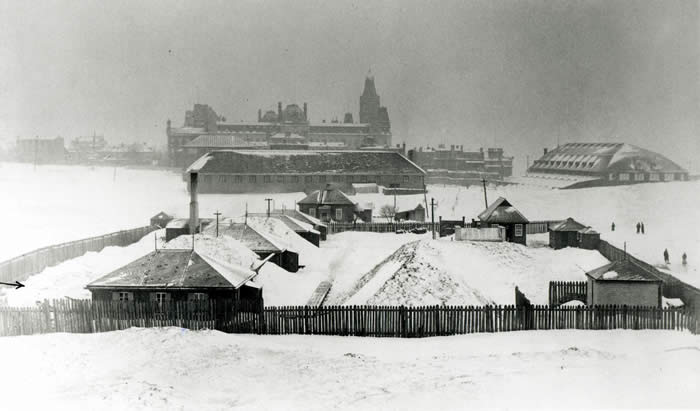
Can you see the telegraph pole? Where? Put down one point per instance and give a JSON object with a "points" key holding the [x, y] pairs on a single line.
{"points": [[432, 215], [217, 214], [268, 206], [486, 201]]}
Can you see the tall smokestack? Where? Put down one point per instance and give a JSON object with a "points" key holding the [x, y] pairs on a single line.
{"points": [[306, 112], [194, 206], [279, 111]]}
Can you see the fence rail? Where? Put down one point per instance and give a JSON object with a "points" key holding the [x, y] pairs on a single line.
{"points": [[85, 316], [334, 228], [26, 265]]}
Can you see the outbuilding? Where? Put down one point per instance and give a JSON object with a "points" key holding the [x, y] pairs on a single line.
{"points": [[623, 283], [571, 233], [329, 204], [161, 219], [168, 276], [502, 213], [262, 243]]}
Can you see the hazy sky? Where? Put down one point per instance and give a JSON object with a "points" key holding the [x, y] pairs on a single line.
{"points": [[517, 74]]}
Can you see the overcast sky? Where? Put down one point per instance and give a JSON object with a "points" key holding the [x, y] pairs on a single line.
{"points": [[517, 74]]}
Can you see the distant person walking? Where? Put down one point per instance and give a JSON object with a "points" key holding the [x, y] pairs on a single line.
{"points": [[666, 256], [613, 226], [642, 228], [639, 227], [685, 259]]}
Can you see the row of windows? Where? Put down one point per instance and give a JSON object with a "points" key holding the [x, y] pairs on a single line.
{"points": [[159, 297], [642, 177], [338, 213], [570, 164], [254, 179]]}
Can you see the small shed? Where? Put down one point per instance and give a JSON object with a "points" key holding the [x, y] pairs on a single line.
{"points": [[161, 219], [623, 283], [502, 213], [176, 228], [303, 229], [262, 243], [412, 214], [571, 233], [167, 276]]}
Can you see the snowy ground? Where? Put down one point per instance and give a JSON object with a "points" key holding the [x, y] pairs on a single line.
{"points": [[176, 369]]}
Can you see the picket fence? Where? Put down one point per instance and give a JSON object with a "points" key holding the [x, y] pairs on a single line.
{"points": [[85, 316], [26, 265], [334, 228]]}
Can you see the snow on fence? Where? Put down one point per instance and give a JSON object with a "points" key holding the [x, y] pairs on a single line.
{"points": [[561, 292], [334, 228], [26, 265], [480, 234], [85, 316]]}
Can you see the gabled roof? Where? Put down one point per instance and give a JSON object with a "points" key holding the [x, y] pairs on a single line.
{"points": [[568, 225], [327, 196], [256, 240], [161, 215], [297, 225], [501, 211], [622, 271], [175, 269]]}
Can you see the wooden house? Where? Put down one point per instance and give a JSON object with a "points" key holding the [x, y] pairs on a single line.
{"points": [[263, 244], [502, 213], [623, 283], [329, 204], [166, 276], [411, 214], [571, 233]]}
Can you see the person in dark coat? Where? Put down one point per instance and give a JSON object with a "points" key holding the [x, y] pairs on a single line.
{"points": [[685, 259], [639, 227], [666, 256], [613, 226], [642, 228]]}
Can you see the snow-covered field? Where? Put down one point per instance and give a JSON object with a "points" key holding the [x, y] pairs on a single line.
{"points": [[173, 369]]}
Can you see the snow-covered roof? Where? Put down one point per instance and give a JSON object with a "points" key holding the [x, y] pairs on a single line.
{"points": [[501, 211], [622, 271]]}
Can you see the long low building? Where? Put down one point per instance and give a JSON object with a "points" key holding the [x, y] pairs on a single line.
{"points": [[279, 171], [599, 164]]}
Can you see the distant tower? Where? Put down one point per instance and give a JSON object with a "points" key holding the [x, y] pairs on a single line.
{"points": [[369, 101]]}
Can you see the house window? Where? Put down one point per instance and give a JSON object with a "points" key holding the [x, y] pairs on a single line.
{"points": [[321, 179], [312, 212], [295, 179], [654, 177], [339, 214], [222, 179], [406, 179], [624, 177], [669, 176], [251, 179], [267, 179], [518, 230], [238, 179], [639, 177], [161, 298], [280, 179], [308, 179], [123, 296]]}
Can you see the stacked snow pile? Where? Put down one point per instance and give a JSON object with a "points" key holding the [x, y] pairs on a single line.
{"points": [[468, 273]]}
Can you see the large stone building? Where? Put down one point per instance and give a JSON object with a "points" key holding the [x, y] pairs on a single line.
{"points": [[455, 166], [288, 128], [598, 164], [278, 171]]}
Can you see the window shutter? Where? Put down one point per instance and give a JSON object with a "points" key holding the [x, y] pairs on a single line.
{"points": [[115, 296], [131, 296], [167, 297], [152, 297]]}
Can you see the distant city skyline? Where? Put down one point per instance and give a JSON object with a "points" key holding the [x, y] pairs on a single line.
{"points": [[513, 74]]}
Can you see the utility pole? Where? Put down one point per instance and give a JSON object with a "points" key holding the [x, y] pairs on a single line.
{"points": [[432, 215], [268, 206], [217, 214], [246, 213], [486, 201]]}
